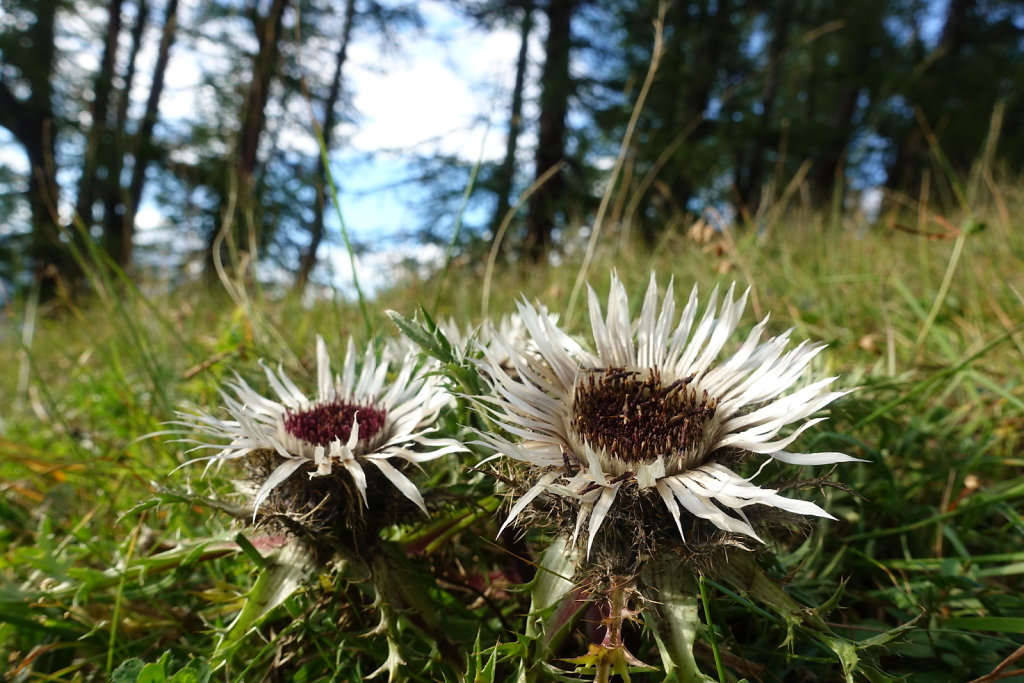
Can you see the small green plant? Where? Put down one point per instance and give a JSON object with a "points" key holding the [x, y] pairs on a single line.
{"points": [[161, 671]]}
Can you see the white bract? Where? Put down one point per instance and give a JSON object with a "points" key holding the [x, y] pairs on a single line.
{"points": [[358, 418], [653, 405], [507, 335]]}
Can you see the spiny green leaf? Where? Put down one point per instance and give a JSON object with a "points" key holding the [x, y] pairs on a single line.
{"points": [[128, 671], [427, 336]]}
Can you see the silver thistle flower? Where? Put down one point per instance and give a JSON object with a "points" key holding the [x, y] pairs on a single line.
{"points": [[358, 418], [652, 408], [508, 335]]}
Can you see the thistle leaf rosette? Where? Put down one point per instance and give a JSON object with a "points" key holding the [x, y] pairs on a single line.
{"points": [[653, 413], [359, 419]]}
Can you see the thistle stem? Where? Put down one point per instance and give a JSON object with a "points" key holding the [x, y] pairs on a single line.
{"points": [[613, 624], [710, 629], [555, 605], [674, 617]]}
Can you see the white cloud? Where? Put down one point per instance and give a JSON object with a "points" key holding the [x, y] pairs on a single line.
{"points": [[436, 90]]}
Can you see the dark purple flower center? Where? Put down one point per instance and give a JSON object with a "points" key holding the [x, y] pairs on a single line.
{"points": [[323, 423], [637, 418]]}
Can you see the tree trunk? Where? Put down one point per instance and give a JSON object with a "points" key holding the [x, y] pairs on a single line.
{"points": [[33, 124], [142, 142], [751, 171], [115, 195], [98, 138], [244, 223], [316, 230], [690, 72], [913, 152], [827, 177], [548, 200], [954, 27], [505, 176], [51, 259], [254, 108]]}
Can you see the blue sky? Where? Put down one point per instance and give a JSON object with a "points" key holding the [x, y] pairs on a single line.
{"points": [[444, 89]]}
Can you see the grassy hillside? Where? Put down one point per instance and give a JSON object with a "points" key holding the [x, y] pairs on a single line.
{"points": [[111, 554]]}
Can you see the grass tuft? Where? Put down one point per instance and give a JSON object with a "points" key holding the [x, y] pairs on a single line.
{"points": [[113, 563]]}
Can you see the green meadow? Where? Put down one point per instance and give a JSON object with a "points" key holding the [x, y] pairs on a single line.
{"points": [[117, 565]]}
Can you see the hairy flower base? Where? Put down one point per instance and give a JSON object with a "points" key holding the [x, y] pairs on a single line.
{"points": [[639, 527], [327, 512]]}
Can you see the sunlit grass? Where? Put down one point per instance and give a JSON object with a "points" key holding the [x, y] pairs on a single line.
{"points": [[110, 554]]}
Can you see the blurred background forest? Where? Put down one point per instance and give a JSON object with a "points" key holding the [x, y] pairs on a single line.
{"points": [[845, 107]]}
